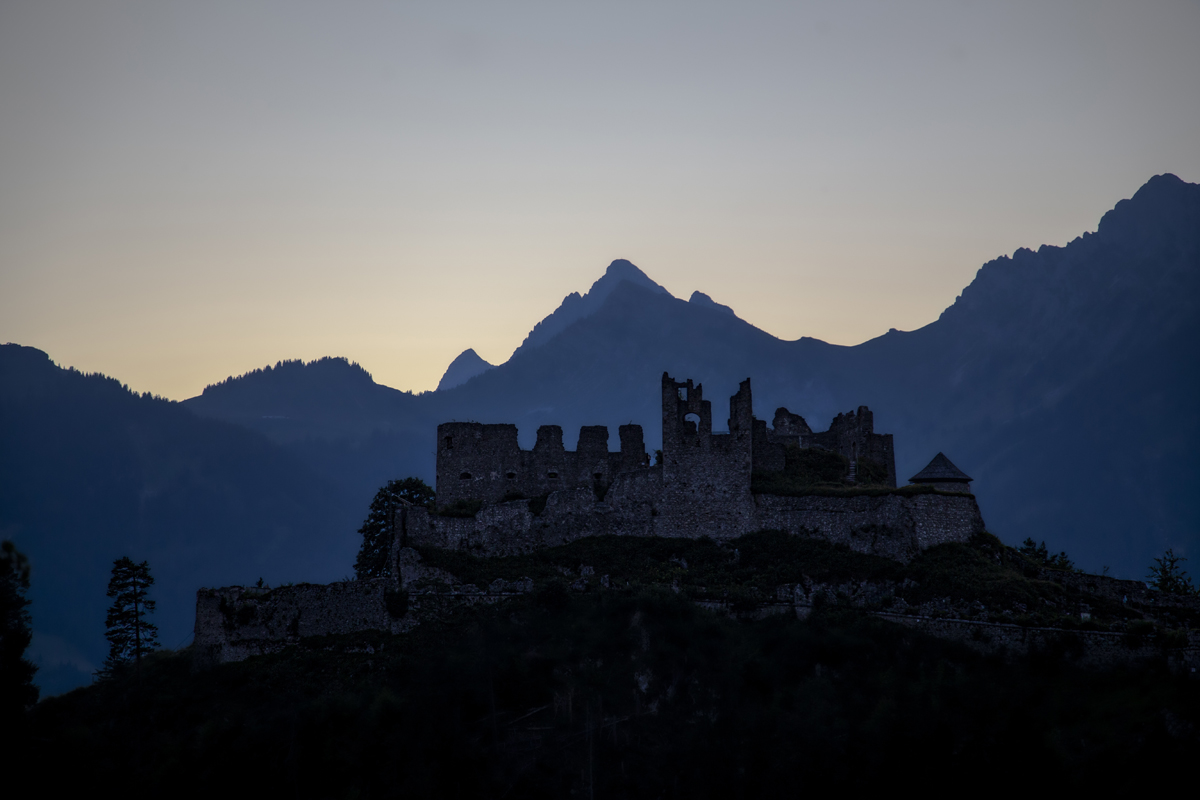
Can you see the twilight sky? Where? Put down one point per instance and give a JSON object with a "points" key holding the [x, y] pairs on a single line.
{"points": [[193, 190]]}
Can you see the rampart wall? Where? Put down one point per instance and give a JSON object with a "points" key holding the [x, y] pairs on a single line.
{"points": [[890, 525], [235, 623]]}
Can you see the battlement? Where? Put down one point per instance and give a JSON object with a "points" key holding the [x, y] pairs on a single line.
{"points": [[704, 478], [484, 462]]}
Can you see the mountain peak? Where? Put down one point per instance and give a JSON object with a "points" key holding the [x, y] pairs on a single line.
{"points": [[462, 369], [620, 270], [623, 269], [575, 307], [1163, 208]]}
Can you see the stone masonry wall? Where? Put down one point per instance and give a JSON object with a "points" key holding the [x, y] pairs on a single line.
{"points": [[705, 476], [237, 622], [485, 462], [890, 525], [853, 435]]}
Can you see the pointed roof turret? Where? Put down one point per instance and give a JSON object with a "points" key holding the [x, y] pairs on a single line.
{"points": [[941, 470]]}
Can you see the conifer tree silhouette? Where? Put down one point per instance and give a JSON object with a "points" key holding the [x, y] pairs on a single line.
{"points": [[17, 690], [130, 635]]}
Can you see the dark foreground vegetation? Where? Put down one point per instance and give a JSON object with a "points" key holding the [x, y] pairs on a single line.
{"points": [[637, 693]]}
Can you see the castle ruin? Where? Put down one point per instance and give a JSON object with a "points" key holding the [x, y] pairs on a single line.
{"points": [[495, 499], [701, 485]]}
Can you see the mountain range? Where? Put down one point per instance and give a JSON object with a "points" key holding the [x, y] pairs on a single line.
{"points": [[1063, 380]]}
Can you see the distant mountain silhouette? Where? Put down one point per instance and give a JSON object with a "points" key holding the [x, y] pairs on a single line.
{"points": [[345, 426], [1064, 381], [462, 369], [575, 308], [1051, 380], [92, 472]]}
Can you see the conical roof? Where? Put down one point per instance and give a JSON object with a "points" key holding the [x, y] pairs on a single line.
{"points": [[940, 469]]}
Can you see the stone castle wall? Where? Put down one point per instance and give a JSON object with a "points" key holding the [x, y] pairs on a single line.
{"points": [[700, 487], [485, 462], [237, 622], [889, 525]]}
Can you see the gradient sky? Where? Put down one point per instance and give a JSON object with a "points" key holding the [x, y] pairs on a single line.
{"points": [[193, 190]]}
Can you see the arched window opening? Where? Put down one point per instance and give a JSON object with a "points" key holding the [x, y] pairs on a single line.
{"points": [[466, 476]]}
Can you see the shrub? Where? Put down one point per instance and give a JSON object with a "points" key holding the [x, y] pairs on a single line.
{"points": [[1040, 556], [1167, 576]]}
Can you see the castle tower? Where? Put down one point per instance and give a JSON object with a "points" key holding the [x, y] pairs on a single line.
{"points": [[942, 475], [705, 475]]}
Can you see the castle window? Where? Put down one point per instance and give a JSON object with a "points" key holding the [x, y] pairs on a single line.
{"points": [[597, 475], [512, 476], [466, 476], [551, 474], [449, 440]]}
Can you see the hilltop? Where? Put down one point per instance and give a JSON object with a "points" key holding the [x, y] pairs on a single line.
{"points": [[638, 687]]}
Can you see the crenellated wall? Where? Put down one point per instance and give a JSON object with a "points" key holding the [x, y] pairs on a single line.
{"points": [[700, 487], [484, 462]]}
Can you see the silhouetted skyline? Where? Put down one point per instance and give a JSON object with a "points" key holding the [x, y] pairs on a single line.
{"points": [[195, 190]]}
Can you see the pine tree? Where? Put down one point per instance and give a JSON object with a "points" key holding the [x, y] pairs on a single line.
{"points": [[17, 690], [1039, 555], [1167, 576], [130, 636], [373, 556]]}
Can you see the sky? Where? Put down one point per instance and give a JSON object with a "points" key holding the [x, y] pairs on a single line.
{"points": [[193, 190]]}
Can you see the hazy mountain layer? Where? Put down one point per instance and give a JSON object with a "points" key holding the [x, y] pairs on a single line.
{"points": [[1064, 380], [92, 472]]}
